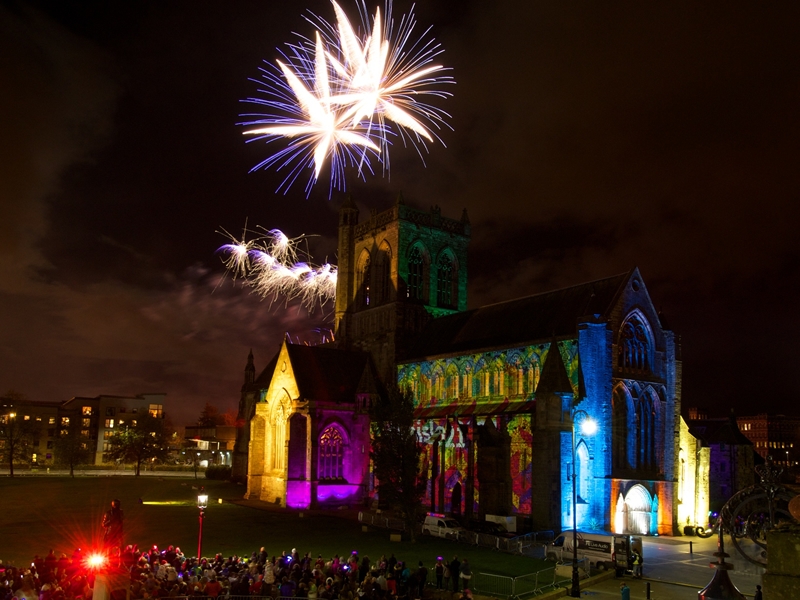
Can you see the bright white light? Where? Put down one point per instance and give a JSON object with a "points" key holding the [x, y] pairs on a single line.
{"points": [[589, 426], [340, 96], [270, 264]]}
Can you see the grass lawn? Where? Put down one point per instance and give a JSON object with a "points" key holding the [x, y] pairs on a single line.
{"points": [[39, 513]]}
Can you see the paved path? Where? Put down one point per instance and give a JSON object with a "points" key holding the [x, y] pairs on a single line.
{"points": [[674, 573], [102, 473]]}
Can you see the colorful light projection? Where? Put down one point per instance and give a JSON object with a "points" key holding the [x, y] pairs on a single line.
{"points": [[519, 429], [461, 381], [496, 385], [446, 461]]}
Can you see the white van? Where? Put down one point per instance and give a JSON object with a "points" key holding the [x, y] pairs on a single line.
{"points": [[440, 526], [602, 550]]}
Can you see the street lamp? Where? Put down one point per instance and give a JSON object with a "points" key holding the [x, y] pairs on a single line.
{"points": [[588, 427], [202, 503]]}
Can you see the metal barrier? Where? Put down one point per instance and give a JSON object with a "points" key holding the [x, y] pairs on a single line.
{"points": [[381, 521], [532, 584], [493, 585]]}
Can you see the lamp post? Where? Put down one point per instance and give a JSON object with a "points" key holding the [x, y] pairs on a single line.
{"points": [[202, 503], [588, 427]]}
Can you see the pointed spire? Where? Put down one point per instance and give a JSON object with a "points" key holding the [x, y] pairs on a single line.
{"points": [[250, 369], [464, 217], [554, 378], [400, 199]]}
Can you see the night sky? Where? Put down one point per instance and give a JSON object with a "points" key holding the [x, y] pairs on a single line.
{"points": [[589, 138]]}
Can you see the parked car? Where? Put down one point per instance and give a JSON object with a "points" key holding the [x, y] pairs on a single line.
{"points": [[491, 528], [441, 526]]}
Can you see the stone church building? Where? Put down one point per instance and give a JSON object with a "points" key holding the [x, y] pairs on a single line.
{"points": [[496, 388]]}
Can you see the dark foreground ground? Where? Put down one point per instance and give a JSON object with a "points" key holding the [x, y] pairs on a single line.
{"points": [[39, 513], [62, 513]]}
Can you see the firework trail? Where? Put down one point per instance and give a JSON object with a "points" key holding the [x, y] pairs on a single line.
{"points": [[343, 96], [269, 264]]}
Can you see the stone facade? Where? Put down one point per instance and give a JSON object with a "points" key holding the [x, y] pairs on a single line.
{"points": [[496, 388]]}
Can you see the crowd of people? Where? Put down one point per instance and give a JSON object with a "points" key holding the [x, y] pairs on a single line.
{"points": [[168, 573]]}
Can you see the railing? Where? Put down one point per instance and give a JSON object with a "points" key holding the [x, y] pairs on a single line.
{"points": [[493, 585], [382, 521], [529, 544], [532, 584]]}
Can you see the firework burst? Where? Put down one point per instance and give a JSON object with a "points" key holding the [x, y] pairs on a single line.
{"points": [[269, 264], [342, 96]]}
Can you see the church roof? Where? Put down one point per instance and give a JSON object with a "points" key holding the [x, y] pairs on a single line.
{"points": [[265, 376], [554, 379], [529, 320], [718, 431], [327, 374]]}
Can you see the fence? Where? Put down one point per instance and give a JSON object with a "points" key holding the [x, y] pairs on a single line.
{"points": [[530, 544], [532, 584], [382, 521]]}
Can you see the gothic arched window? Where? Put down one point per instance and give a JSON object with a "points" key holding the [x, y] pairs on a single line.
{"points": [[416, 274], [384, 274], [364, 282], [444, 281], [279, 438], [331, 454], [634, 346]]}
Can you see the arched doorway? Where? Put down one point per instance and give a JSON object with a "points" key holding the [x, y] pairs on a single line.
{"points": [[455, 499], [639, 508]]}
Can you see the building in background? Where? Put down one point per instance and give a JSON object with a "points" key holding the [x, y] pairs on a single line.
{"points": [[99, 417], [773, 435], [212, 445], [93, 420]]}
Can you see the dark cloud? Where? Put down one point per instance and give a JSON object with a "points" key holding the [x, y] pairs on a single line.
{"points": [[588, 139]]}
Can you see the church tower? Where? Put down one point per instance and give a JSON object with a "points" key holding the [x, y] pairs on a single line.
{"points": [[397, 270]]}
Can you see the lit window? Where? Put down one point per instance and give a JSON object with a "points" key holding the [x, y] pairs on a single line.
{"points": [[109, 423], [86, 411], [51, 421], [65, 421], [331, 454], [156, 411]]}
